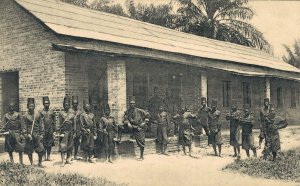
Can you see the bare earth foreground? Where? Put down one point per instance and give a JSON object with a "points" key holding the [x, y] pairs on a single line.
{"points": [[175, 169]]}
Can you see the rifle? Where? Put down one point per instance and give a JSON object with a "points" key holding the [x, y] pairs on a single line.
{"points": [[33, 123]]}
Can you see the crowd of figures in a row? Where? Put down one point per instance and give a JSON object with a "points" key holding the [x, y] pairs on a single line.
{"points": [[36, 131]]}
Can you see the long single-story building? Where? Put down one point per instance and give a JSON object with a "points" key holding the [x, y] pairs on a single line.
{"points": [[52, 48]]}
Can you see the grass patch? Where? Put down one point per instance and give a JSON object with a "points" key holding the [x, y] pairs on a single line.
{"points": [[15, 174], [286, 167]]}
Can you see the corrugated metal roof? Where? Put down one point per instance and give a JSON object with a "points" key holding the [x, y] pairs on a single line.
{"points": [[71, 20]]}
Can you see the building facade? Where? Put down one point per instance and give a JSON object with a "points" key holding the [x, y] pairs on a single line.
{"points": [[55, 49]]}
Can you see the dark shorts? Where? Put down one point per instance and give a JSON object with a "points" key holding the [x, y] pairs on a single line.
{"points": [[139, 136], [14, 142], [35, 144], [162, 136], [66, 143]]}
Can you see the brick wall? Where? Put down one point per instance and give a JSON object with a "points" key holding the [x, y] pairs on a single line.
{"points": [[26, 48]]}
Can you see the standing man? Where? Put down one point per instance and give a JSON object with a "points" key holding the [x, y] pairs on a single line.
{"points": [[215, 127], [185, 133], [66, 129], [77, 126], [203, 118], [235, 130], [98, 113], [154, 102], [48, 119], [14, 137], [138, 119], [247, 121], [162, 129], [169, 108], [88, 131], [35, 133], [109, 129], [264, 113], [273, 124]]}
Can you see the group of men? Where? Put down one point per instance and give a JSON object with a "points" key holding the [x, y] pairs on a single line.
{"points": [[94, 129], [36, 131]]}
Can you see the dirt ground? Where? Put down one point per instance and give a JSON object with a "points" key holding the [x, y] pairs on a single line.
{"points": [[160, 170]]}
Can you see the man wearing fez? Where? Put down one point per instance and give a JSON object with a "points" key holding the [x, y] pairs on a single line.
{"points": [[203, 118], [109, 129], [163, 122], [273, 124], [66, 129], [35, 132], [247, 121], [185, 132], [48, 119], [13, 131], [264, 113], [77, 126], [88, 132], [98, 113], [235, 129], [137, 118], [215, 127]]}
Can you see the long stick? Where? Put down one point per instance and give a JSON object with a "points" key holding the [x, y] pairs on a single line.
{"points": [[33, 122]]}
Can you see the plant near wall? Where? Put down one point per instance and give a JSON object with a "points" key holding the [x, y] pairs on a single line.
{"points": [[293, 54]]}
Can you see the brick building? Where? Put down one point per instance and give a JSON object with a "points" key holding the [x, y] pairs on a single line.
{"points": [[51, 48]]}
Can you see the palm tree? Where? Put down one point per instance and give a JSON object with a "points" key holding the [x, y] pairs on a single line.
{"points": [[293, 55], [156, 14], [226, 20]]}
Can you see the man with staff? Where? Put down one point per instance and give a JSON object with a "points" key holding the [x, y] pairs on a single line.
{"points": [[13, 131], [34, 133]]}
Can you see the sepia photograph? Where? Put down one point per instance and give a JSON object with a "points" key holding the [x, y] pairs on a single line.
{"points": [[150, 92]]}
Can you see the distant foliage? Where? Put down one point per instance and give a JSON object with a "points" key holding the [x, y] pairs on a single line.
{"points": [[293, 54], [225, 20], [15, 174], [287, 167]]}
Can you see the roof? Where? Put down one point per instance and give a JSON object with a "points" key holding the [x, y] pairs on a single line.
{"points": [[66, 19]]}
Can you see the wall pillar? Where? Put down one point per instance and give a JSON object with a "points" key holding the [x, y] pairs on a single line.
{"points": [[267, 88], [116, 85], [203, 92]]}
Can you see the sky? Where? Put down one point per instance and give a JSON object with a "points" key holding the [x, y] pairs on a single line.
{"points": [[279, 20]]}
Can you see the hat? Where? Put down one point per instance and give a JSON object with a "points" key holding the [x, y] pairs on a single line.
{"points": [[30, 101], [266, 99], [203, 98], [246, 106], [85, 102], [66, 99], [132, 99], [214, 102], [234, 102], [272, 106], [11, 101], [46, 98], [74, 98]]}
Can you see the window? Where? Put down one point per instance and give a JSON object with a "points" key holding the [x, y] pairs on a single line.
{"points": [[226, 93], [246, 94], [279, 97], [293, 97]]}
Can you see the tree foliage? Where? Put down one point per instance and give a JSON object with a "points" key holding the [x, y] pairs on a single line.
{"points": [[226, 20], [293, 54]]}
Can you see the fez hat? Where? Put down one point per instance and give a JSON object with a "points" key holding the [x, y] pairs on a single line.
{"points": [[214, 102], [85, 102], [132, 99], [234, 102], [203, 98], [11, 101], [266, 100], [246, 106], [272, 106], [66, 99], [46, 98], [74, 98], [30, 101]]}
